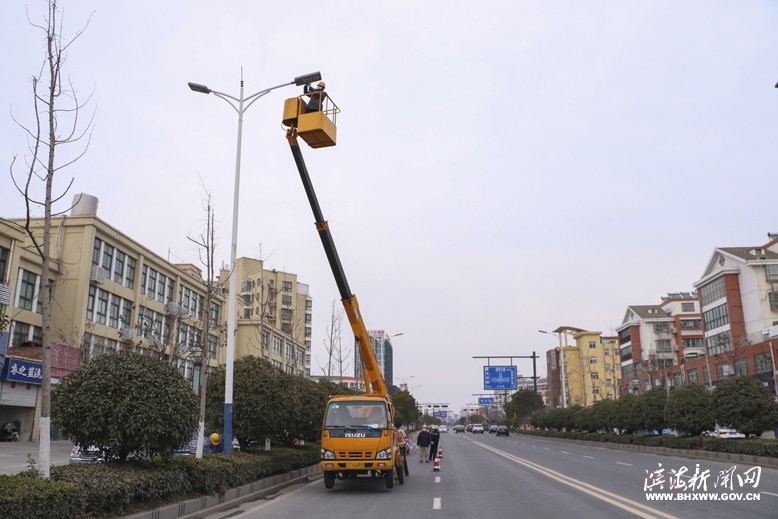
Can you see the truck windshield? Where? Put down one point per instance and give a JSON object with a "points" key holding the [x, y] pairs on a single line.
{"points": [[356, 414]]}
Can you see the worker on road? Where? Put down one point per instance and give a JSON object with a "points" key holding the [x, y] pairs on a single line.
{"points": [[434, 442], [423, 441], [213, 444]]}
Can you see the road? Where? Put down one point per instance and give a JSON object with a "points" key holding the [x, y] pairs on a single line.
{"points": [[13, 455], [520, 476]]}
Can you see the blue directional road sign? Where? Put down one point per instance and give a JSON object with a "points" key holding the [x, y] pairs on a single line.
{"points": [[500, 377], [485, 400]]}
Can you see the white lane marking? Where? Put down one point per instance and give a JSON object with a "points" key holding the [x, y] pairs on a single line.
{"points": [[639, 509], [546, 448], [437, 479], [564, 452], [436, 503], [588, 457], [622, 463], [768, 493]]}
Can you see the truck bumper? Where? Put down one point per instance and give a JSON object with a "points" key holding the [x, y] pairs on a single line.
{"points": [[355, 466]]}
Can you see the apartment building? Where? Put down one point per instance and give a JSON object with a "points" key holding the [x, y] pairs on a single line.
{"points": [[653, 339], [731, 331], [275, 316], [110, 292], [583, 369]]}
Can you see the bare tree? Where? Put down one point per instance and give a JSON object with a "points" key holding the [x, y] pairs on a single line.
{"points": [[207, 245], [53, 127], [337, 360]]}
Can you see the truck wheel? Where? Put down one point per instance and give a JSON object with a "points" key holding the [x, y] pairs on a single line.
{"points": [[389, 478], [329, 480]]}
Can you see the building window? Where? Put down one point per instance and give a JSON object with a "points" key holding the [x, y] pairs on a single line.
{"points": [[692, 374], [692, 343], [763, 363], [687, 308], [118, 267], [592, 360], [308, 318], [247, 313], [624, 336], [661, 326], [287, 286], [276, 345], [773, 300], [286, 314], [129, 274], [21, 333], [592, 345], [307, 331], [595, 376], [741, 367], [723, 369], [678, 379], [96, 252], [664, 345], [712, 292], [102, 306], [716, 317], [308, 304], [626, 353], [691, 324], [107, 257], [772, 272], [4, 253], [286, 300], [113, 316], [28, 288], [719, 343]]}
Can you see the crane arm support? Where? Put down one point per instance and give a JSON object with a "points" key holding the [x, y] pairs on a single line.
{"points": [[321, 224], [374, 382]]}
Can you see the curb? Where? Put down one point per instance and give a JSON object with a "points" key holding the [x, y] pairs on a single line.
{"points": [[749, 459], [232, 497]]}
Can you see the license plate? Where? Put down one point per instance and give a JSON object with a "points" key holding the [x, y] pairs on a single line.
{"points": [[354, 465]]}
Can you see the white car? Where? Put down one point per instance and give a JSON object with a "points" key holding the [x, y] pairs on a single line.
{"points": [[478, 428], [444, 428], [724, 433]]}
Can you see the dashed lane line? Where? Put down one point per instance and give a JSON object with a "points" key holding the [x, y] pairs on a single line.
{"points": [[436, 503], [588, 457], [639, 509], [625, 464]]}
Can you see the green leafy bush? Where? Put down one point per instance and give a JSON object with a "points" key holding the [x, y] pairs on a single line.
{"points": [[124, 403], [23, 497]]}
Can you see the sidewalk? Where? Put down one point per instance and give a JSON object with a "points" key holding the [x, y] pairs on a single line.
{"points": [[13, 455]]}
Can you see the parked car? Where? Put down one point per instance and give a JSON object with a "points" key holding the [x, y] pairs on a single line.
{"points": [[478, 428], [444, 428], [724, 433], [492, 429], [459, 428], [81, 454], [469, 427], [502, 430]]}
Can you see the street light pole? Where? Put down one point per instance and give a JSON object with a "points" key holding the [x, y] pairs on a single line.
{"points": [[233, 290]]}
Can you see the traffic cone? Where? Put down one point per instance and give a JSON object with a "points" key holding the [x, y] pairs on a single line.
{"points": [[440, 452], [436, 465]]}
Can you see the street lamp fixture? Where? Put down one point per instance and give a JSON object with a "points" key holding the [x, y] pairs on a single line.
{"points": [[243, 104]]}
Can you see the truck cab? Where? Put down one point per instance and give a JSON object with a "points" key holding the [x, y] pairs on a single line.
{"points": [[359, 438]]}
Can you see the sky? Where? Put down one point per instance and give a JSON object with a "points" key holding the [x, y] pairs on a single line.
{"points": [[501, 167]]}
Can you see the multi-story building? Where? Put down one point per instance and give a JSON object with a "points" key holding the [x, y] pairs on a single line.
{"points": [[653, 339], [583, 369], [382, 348], [543, 388], [731, 331], [109, 292], [275, 316]]}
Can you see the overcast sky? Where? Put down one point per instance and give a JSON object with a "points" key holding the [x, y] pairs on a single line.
{"points": [[501, 167]]}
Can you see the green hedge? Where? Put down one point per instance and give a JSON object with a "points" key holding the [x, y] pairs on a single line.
{"points": [[116, 488], [750, 446], [31, 497]]}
